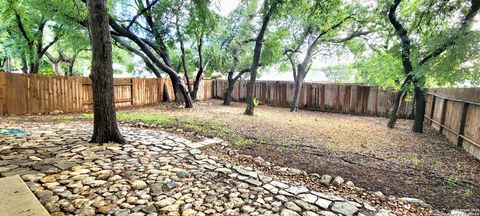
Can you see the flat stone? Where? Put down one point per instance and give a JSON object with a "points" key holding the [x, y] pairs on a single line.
{"points": [[309, 198], [323, 203], [415, 201], [253, 182], [344, 208], [279, 184], [245, 172], [17, 199], [327, 213], [309, 213], [288, 212], [271, 188], [292, 206], [295, 190], [63, 165], [306, 206]]}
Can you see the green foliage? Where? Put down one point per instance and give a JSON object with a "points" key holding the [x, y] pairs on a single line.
{"points": [[256, 102], [430, 25], [451, 181], [382, 69], [339, 73]]}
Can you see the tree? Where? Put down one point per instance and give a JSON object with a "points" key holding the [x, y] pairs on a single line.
{"points": [[144, 35], [425, 27], [269, 8], [316, 22], [202, 22], [31, 28], [231, 47], [105, 122]]}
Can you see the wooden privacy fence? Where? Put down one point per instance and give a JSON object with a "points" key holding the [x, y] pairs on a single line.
{"points": [[455, 113], [344, 98], [32, 94]]}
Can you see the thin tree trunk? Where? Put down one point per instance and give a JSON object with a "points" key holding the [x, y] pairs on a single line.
{"points": [[24, 62], [105, 122], [198, 77], [396, 104], [9, 64], [256, 57], [298, 86], [55, 64], [71, 63], [196, 85]]}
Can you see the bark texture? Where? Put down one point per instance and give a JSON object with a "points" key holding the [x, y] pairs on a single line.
{"points": [[105, 122]]}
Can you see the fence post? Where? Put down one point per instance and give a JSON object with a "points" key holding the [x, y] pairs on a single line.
{"points": [[462, 124], [432, 108], [444, 112], [133, 91]]}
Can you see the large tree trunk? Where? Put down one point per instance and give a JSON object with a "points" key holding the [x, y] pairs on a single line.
{"points": [[227, 95], [419, 97], [105, 127], [34, 67], [298, 86], [181, 93]]}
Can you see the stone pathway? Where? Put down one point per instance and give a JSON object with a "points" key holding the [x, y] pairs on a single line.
{"points": [[155, 174]]}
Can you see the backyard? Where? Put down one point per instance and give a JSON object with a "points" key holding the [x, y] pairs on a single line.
{"points": [[360, 149], [239, 108]]}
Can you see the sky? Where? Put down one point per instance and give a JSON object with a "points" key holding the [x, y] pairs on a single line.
{"points": [[224, 7]]}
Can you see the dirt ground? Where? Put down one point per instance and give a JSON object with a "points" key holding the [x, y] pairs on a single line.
{"points": [[362, 149]]}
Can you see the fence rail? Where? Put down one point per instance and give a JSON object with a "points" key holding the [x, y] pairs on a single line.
{"points": [[343, 98], [33, 94]]}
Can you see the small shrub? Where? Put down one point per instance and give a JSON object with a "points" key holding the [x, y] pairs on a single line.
{"points": [[416, 161], [256, 102], [451, 181], [468, 193]]}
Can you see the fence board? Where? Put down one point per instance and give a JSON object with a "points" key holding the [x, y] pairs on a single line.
{"points": [[33, 94]]}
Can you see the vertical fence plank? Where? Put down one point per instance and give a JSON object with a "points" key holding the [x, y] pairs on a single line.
{"points": [[443, 116], [461, 131]]}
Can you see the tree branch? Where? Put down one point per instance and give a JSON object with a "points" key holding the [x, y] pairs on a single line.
{"points": [[22, 28], [141, 12], [466, 23]]}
